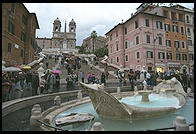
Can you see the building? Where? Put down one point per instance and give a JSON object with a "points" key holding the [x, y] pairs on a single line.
{"points": [[189, 29], [176, 39], [154, 38], [59, 40], [138, 42], [91, 44], [18, 34]]}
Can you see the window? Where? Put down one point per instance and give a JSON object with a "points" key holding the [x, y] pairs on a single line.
{"points": [[116, 33], [125, 30], [117, 59], [188, 31], [9, 48], [178, 56], [138, 55], [161, 55], [111, 61], [136, 24], [167, 27], [11, 27], [137, 40], [126, 44], [21, 53], [180, 17], [149, 54], [183, 44], [116, 46], [23, 36], [182, 30], [111, 37], [173, 16], [126, 58], [176, 44], [190, 42], [159, 25], [147, 22], [147, 38], [184, 57], [12, 7], [187, 19], [175, 28], [165, 13], [168, 43], [191, 57], [24, 19], [160, 40], [169, 56]]}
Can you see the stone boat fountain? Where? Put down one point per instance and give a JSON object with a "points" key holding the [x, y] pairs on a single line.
{"points": [[108, 106]]}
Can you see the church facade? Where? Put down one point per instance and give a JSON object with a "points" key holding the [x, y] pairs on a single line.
{"points": [[60, 40]]}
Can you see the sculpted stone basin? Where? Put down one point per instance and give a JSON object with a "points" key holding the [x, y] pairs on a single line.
{"points": [[145, 94], [107, 106]]}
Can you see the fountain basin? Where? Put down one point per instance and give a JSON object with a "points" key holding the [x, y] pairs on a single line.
{"points": [[107, 106]]}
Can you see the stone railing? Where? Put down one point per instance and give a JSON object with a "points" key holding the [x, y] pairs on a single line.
{"points": [[14, 105]]}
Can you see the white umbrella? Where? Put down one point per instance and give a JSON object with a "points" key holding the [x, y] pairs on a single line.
{"points": [[11, 69]]}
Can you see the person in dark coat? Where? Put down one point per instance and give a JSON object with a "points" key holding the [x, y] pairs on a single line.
{"points": [[57, 82], [29, 80], [35, 83], [131, 75], [103, 79]]}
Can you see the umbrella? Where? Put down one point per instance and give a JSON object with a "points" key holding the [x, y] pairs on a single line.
{"points": [[26, 67], [57, 71], [11, 69], [17, 66]]}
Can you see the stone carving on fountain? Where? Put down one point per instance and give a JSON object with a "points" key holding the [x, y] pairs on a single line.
{"points": [[107, 106]]}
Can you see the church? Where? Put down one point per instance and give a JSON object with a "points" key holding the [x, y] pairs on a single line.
{"points": [[60, 40]]}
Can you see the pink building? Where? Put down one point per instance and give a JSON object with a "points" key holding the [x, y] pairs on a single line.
{"points": [[143, 36]]}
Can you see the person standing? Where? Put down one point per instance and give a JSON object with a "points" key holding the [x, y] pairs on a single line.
{"points": [[89, 77], [35, 83], [28, 80], [57, 82], [82, 76], [6, 87], [47, 64], [42, 84], [103, 79], [131, 78]]}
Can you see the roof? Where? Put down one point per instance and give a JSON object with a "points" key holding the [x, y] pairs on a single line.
{"points": [[31, 14], [137, 13], [35, 20], [113, 28]]}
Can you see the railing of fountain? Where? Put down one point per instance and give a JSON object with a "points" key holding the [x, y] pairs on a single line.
{"points": [[55, 128]]}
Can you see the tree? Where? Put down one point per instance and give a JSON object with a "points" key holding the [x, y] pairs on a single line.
{"points": [[101, 52], [93, 35], [82, 50]]}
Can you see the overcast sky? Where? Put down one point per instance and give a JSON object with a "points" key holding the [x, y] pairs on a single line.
{"points": [[88, 16]]}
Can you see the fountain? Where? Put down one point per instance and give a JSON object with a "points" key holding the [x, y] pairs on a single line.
{"points": [[110, 107], [165, 99]]}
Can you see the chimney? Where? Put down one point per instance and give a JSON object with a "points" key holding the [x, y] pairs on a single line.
{"points": [[131, 14]]}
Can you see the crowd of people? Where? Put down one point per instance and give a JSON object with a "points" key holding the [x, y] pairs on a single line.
{"points": [[151, 78], [16, 84]]}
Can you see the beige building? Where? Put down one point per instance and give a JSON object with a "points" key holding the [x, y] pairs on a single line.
{"points": [[99, 42], [62, 40]]}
